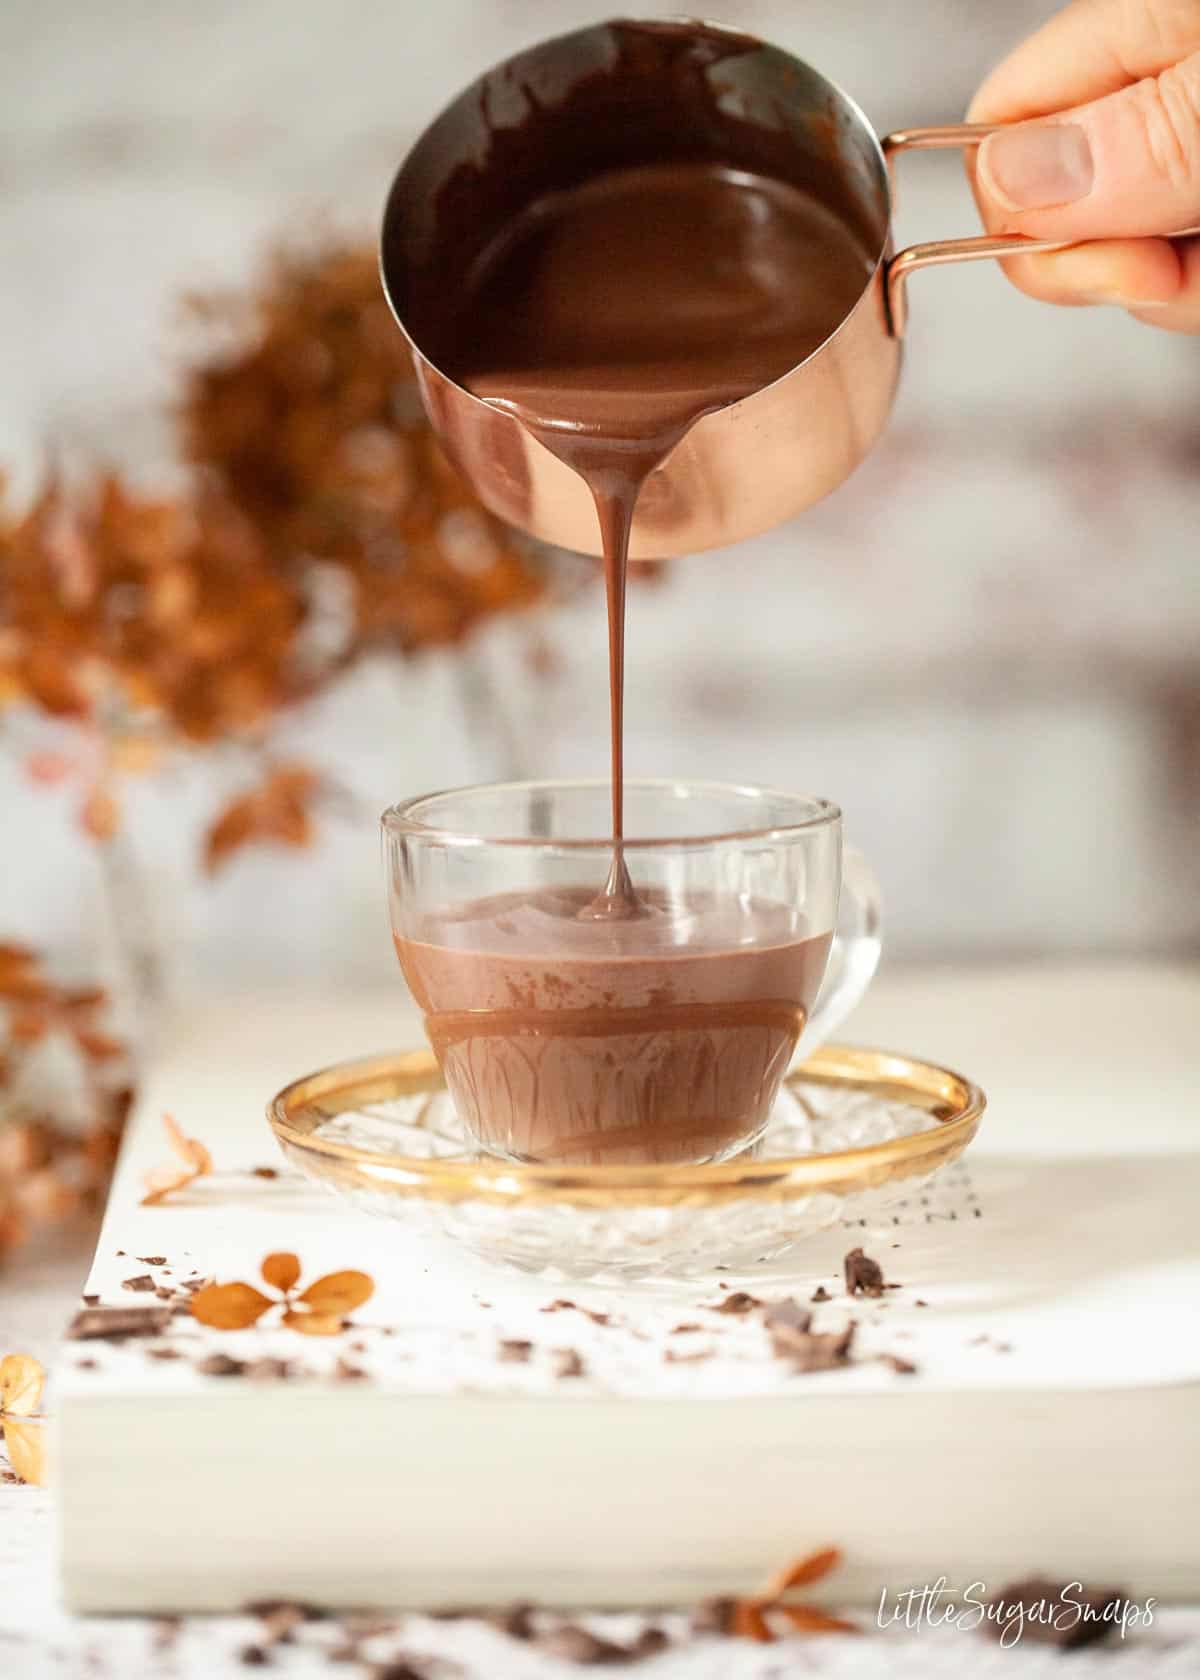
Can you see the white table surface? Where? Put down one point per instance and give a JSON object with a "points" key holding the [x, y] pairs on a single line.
{"points": [[1057, 1048]]}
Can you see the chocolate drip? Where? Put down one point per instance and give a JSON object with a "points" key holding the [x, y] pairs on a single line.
{"points": [[612, 317]]}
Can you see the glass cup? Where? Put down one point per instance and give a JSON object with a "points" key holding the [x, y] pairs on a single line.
{"points": [[570, 1037]]}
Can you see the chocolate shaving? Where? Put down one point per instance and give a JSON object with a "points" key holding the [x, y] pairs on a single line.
{"points": [[265, 1172], [684, 1329], [517, 1621], [163, 1353], [820, 1293], [738, 1302], [792, 1338], [142, 1285], [568, 1363], [896, 1362], [573, 1306], [682, 1356], [1053, 1613], [115, 1324], [514, 1352], [267, 1609], [166, 1632], [268, 1370], [280, 1621], [253, 1656], [220, 1365], [571, 1643], [152, 1259], [787, 1318], [713, 1616], [344, 1371], [863, 1275]]}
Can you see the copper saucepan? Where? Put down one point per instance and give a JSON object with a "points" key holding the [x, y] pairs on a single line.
{"points": [[508, 140]]}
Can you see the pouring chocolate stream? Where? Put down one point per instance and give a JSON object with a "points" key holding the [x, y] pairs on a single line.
{"points": [[611, 317]]}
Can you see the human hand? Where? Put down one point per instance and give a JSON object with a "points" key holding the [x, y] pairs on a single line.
{"points": [[1106, 97]]}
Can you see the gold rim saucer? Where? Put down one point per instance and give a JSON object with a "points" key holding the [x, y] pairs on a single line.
{"points": [[954, 1104]]}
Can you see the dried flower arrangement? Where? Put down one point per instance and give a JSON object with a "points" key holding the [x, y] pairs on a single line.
{"points": [[324, 523], [52, 1168]]}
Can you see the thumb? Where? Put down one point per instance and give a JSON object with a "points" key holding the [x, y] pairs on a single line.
{"points": [[1124, 166]]}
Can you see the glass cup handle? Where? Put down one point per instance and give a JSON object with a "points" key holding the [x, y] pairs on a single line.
{"points": [[854, 956]]}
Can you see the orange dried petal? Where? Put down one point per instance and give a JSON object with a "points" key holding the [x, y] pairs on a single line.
{"points": [[313, 1323], [135, 754], [46, 1197], [22, 1380], [47, 767], [276, 810], [100, 815], [281, 1271], [26, 1450], [802, 1572], [188, 1149], [163, 1180], [748, 1621], [230, 1306], [29, 1025], [47, 674], [339, 1292], [806, 1618], [98, 1046]]}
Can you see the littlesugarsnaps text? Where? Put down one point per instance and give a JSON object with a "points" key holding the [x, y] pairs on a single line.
{"points": [[1063, 1609]]}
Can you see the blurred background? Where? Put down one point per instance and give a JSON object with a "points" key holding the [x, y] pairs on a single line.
{"points": [[984, 646]]}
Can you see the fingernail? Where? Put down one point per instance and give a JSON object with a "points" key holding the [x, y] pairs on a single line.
{"points": [[1119, 301], [1037, 167]]}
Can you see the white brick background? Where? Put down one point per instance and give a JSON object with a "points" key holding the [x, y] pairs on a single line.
{"points": [[984, 646]]}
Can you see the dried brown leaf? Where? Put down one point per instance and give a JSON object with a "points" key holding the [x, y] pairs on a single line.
{"points": [[188, 1149], [313, 1323], [281, 1271], [46, 675], [47, 768], [802, 1572], [748, 1621], [25, 1442], [339, 1292], [278, 810], [164, 1180], [100, 815], [230, 1306], [806, 1618], [748, 1618], [22, 1380], [98, 1046]]}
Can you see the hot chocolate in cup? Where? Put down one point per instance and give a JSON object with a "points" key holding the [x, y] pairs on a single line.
{"points": [[569, 1037]]}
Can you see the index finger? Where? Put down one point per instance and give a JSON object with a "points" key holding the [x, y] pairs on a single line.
{"points": [[1089, 49]]}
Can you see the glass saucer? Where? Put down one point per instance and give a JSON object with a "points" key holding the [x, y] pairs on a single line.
{"points": [[853, 1132]]}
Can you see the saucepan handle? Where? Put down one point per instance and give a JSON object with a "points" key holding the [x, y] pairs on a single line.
{"points": [[936, 251]]}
